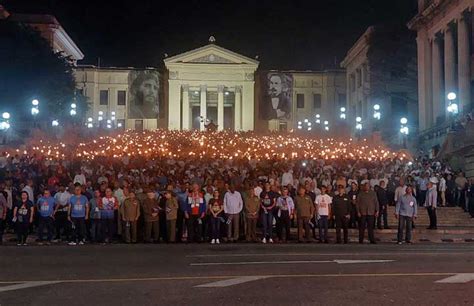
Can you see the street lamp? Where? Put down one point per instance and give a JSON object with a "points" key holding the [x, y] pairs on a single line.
{"points": [[326, 125], [6, 115], [55, 123], [404, 130], [318, 118], [452, 106], [343, 113], [377, 113], [358, 123]]}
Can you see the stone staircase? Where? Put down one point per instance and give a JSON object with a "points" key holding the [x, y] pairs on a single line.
{"points": [[448, 217]]}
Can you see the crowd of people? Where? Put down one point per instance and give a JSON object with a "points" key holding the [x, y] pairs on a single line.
{"points": [[162, 193]]}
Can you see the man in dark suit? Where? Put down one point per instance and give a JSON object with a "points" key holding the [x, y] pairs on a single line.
{"points": [[276, 104]]}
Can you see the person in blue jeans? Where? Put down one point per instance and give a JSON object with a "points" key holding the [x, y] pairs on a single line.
{"points": [[267, 204], [23, 217], [323, 211], [78, 212], [45, 206]]}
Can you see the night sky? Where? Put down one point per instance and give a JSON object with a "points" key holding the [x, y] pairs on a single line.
{"points": [[292, 34]]}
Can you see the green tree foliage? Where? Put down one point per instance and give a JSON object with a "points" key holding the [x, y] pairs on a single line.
{"points": [[29, 69]]}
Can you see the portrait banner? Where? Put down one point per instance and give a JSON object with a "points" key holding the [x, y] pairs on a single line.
{"points": [[144, 94], [277, 93]]}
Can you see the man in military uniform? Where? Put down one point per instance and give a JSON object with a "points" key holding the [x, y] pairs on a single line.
{"points": [[341, 205], [304, 212], [367, 210]]}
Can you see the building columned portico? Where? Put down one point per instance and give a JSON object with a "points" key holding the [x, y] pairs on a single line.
{"points": [[211, 84]]}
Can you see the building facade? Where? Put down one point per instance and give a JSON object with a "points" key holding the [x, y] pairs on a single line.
{"points": [[211, 84], [51, 30], [313, 97], [445, 43], [381, 80]]}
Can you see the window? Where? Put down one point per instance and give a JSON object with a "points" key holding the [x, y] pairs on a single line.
{"points": [[317, 101], [121, 97], [352, 82], [341, 100], [104, 97], [300, 100]]}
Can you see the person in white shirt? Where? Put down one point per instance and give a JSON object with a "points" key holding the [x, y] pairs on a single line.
{"points": [[233, 205], [61, 200], [323, 210], [286, 208], [442, 190], [80, 178], [287, 178], [400, 190], [258, 189], [29, 190]]}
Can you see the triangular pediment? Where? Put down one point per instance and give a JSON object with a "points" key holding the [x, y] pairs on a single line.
{"points": [[211, 54]]}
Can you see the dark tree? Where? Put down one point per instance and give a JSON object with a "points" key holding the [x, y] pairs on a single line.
{"points": [[29, 69]]}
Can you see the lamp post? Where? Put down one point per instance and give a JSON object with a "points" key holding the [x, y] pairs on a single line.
{"points": [[34, 111], [377, 116], [73, 110], [404, 131], [342, 115], [453, 107], [5, 126], [358, 127], [326, 125], [318, 119]]}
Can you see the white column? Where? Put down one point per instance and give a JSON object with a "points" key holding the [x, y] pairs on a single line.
{"points": [[248, 106], [238, 108], [438, 92], [464, 64], [174, 105], [425, 103], [220, 107], [449, 62], [186, 122], [203, 112]]}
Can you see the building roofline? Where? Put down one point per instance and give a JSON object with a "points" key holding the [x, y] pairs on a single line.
{"points": [[358, 46]]}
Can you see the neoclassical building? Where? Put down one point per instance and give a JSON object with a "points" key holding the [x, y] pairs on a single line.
{"points": [[390, 85], [214, 84], [444, 38]]}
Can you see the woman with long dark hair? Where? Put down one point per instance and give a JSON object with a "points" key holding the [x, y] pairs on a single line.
{"points": [[23, 217]]}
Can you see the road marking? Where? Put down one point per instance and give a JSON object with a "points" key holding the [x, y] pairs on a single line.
{"points": [[459, 278], [437, 253], [27, 285], [190, 278], [232, 281], [348, 261], [338, 261]]}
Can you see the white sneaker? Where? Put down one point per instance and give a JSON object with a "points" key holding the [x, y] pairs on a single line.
{"points": [[72, 243], [19, 244], [213, 241], [217, 241], [270, 240], [264, 240], [81, 242]]}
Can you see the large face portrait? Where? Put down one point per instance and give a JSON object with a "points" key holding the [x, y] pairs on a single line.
{"points": [[276, 102], [144, 94], [275, 85]]}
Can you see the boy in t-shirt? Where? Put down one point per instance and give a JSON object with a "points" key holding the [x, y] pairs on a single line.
{"points": [[323, 210]]}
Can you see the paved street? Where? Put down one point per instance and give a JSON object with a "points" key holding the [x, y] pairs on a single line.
{"points": [[238, 274]]}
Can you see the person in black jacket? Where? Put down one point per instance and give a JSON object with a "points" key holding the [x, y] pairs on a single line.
{"points": [[383, 204], [341, 207]]}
